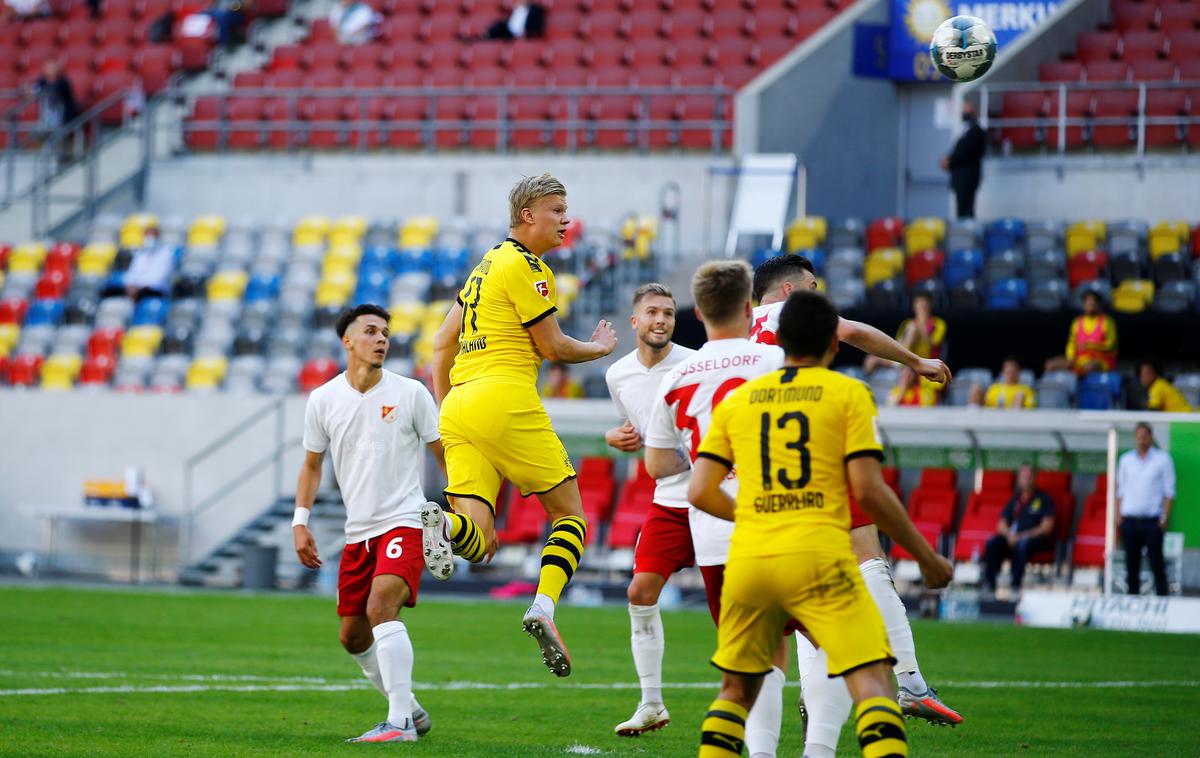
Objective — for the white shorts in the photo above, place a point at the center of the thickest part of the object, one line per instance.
(710, 537)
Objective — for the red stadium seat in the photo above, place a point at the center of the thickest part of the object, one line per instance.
(1097, 46)
(5, 370)
(1060, 71)
(365, 57)
(322, 55)
(245, 121)
(1133, 16)
(1153, 71)
(204, 109)
(321, 31)
(1185, 45)
(78, 32)
(979, 524)
(926, 264)
(250, 79)
(194, 53)
(524, 520)
(998, 480)
(932, 534)
(1079, 105)
(97, 369)
(1178, 16)
(286, 56)
(1087, 266)
(692, 52)
(934, 507)
(1120, 108)
(155, 65)
(39, 33)
(52, 285)
(25, 370)
(885, 232)
(111, 83)
(330, 113)
(1026, 106)
(13, 310)
(105, 342)
(1106, 71)
(317, 372)
(114, 57)
(1143, 45)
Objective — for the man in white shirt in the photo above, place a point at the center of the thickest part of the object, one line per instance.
(1145, 492)
(374, 423)
(680, 418)
(665, 543)
(826, 702)
(149, 273)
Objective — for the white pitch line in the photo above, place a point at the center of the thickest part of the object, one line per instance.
(174, 677)
(492, 686)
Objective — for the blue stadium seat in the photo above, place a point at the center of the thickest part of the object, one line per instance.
(377, 255)
(963, 265)
(1100, 391)
(150, 311)
(450, 264)
(262, 287)
(413, 260)
(817, 256)
(761, 256)
(44, 312)
(1007, 294)
(1004, 234)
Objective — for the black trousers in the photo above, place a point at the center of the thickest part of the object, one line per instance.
(1136, 534)
(998, 549)
(964, 200)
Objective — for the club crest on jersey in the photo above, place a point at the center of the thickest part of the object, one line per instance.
(388, 413)
(543, 287)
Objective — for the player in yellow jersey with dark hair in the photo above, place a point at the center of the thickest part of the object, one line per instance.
(802, 439)
(493, 425)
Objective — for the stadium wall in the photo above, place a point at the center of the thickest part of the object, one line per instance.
(602, 189)
(843, 128)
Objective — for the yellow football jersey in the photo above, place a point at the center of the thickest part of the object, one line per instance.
(790, 434)
(509, 291)
(1164, 397)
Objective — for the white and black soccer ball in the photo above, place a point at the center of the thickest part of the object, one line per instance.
(963, 48)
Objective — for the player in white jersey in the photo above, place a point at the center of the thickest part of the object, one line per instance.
(374, 423)
(665, 543)
(681, 416)
(826, 701)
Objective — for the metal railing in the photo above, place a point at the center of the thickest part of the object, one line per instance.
(1057, 120)
(363, 129)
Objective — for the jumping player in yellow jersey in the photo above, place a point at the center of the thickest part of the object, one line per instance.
(802, 438)
(493, 425)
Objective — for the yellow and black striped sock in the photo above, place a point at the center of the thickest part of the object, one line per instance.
(467, 538)
(723, 731)
(561, 554)
(880, 728)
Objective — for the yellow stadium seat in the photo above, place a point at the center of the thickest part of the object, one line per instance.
(406, 318)
(418, 233)
(882, 264)
(10, 335)
(1086, 235)
(568, 289)
(806, 233)
(347, 230)
(141, 341)
(1168, 237)
(435, 314)
(206, 231)
(133, 230)
(924, 234)
(23, 261)
(334, 290)
(1133, 296)
(333, 265)
(821, 284)
(206, 373)
(350, 252)
(1, 279)
(310, 231)
(34, 250)
(227, 285)
(60, 371)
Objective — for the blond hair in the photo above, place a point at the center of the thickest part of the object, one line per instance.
(651, 288)
(720, 289)
(528, 191)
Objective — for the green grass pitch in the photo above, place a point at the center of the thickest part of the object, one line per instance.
(206, 674)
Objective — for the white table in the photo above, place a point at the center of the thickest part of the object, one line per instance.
(135, 517)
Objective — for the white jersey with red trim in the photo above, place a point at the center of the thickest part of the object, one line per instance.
(764, 325)
(682, 413)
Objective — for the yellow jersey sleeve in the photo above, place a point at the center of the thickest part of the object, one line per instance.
(1070, 351)
(717, 445)
(530, 286)
(862, 423)
(992, 399)
(1030, 396)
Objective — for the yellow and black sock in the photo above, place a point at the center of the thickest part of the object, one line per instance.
(880, 728)
(561, 554)
(466, 538)
(724, 730)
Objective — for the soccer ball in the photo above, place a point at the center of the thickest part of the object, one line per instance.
(963, 48)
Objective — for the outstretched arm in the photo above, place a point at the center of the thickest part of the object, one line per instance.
(553, 345)
(445, 350)
(870, 340)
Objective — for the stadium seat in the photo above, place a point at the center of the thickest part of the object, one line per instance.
(1115, 118)
(1134, 16)
(884, 233)
(1026, 107)
(979, 522)
(924, 265)
(1085, 235)
(1133, 296)
(1100, 391)
(524, 520)
(806, 233)
(1097, 46)
(1068, 71)
(315, 373)
(1007, 294)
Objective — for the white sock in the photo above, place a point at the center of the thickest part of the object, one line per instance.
(369, 664)
(395, 653)
(805, 652)
(415, 705)
(544, 604)
(647, 641)
(766, 717)
(878, 578)
(828, 704)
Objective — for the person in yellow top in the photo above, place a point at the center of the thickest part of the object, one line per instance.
(1010, 392)
(559, 384)
(1161, 395)
(1091, 341)
(912, 391)
(923, 334)
(493, 425)
(802, 438)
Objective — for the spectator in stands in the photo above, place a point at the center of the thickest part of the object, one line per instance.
(559, 383)
(965, 163)
(354, 22)
(1025, 528)
(1009, 392)
(912, 391)
(924, 333)
(1091, 342)
(229, 16)
(56, 98)
(976, 397)
(1161, 395)
(24, 10)
(1145, 492)
(527, 21)
(149, 273)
